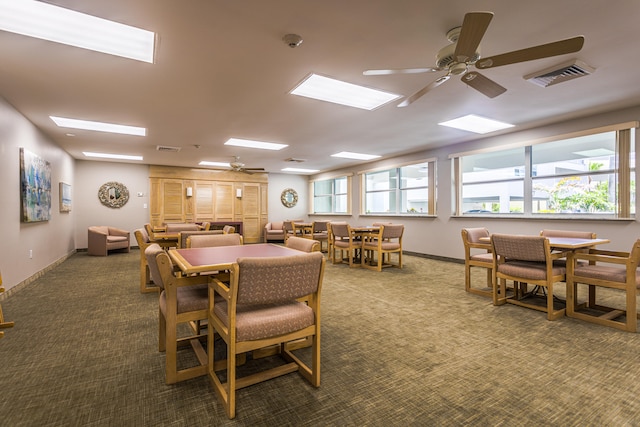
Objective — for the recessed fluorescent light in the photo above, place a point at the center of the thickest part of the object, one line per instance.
(98, 126)
(255, 144)
(356, 156)
(112, 156)
(220, 164)
(46, 21)
(477, 124)
(339, 92)
(300, 170)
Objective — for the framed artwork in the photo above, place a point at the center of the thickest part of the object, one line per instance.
(65, 197)
(35, 187)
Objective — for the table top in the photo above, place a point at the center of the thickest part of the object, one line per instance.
(566, 242)
(198, 260)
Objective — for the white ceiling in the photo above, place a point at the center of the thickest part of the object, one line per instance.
(222, 70)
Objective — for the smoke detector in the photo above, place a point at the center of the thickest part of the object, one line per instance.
(560, 73)
(292, 40)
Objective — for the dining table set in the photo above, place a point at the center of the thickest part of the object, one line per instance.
(523, 270)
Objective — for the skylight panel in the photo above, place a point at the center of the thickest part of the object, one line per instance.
(355, 156)
(99, 126)
(343, 93)
(476, 124)
(48, 22)
(247, 143)
(111, 156)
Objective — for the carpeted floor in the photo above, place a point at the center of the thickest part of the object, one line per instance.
(401, 347)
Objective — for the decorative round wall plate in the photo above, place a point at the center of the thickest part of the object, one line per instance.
(113, 195)
(289, 197)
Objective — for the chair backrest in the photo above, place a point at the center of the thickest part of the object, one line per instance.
(148, 229)
(228, 229)
(320, 226)
(184, 235)
(568, 233)
(279, 279)
(473, 235)
(392, 231)
(287, 226)
(302, 244)
(151, 253)
(177, 227)
(340, 230)
(210, 240)
(521, 248)
(142, 238)
(206, 226)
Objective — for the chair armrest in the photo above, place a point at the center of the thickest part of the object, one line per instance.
(611, 257)
(118, 232)
(220, 288)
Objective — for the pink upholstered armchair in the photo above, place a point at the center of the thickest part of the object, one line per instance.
(102, 239)
(274, 231)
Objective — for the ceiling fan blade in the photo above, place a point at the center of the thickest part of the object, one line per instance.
(421, 92)
(399, 71)
(483, 84)
(253, 169)
(560, 47)
(473, 28)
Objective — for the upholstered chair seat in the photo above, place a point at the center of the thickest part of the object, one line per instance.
(102, 239)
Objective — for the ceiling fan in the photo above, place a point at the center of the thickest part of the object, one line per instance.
(238, 166)
(463, 53)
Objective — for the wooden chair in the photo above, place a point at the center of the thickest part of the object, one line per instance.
(527, 260)
(344, 240)
(184, 235)
(259, 308)
(228, 229)
(3, 324)
(387, 241)
(320, 233)
(209, 240)
(303, 244)
(568, 234)
(146, 284)
(477, 254)
(604, 269)
(183, 299)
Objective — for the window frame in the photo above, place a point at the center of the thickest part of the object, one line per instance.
(333, 194)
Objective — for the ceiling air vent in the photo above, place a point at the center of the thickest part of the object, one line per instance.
(560, 73)
(168, 148)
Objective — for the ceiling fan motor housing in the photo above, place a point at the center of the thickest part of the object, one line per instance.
(445, 56)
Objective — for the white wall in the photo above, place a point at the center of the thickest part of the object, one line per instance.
(279, 182)
(90, 176)
(50, 240)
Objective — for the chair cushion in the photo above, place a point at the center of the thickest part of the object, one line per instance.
(190, 298)
(529, 269)
(277, 226)
(113, 239)
(482, 257)
(605, 272)
(254, 322)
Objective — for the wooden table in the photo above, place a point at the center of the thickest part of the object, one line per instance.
(568, 243)
(198, 260)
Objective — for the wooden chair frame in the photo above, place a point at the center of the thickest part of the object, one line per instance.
(477, 254)
(226, 392)
(375, 243)
(552, 274)
(352, 245)
(591, 310)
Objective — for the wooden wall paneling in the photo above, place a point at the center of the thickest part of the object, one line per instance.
(251, 212)
(173, 209)
(188, 202)
(264, 208)
(155, 206)
(224, 207)
(204, 201)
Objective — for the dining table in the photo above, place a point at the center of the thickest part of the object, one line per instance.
(219, 258)
(566, 243)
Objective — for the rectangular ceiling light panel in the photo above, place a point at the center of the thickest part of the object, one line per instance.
(355, 156)
(65, 26)
(476, 124)
(111, 156)
(300, 170)
(343, 93)
(218, 164)
(99, 126)
(247, 143)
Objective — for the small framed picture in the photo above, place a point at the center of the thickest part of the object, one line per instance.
(65, 197)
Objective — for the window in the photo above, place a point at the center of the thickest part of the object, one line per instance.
(400, 190)
(331, 195)
(591, 173)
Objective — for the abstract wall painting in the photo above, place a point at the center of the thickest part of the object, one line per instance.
(35, 184)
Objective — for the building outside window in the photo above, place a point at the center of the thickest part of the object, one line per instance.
(589, 174)
(399, 190)
(331, 195)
